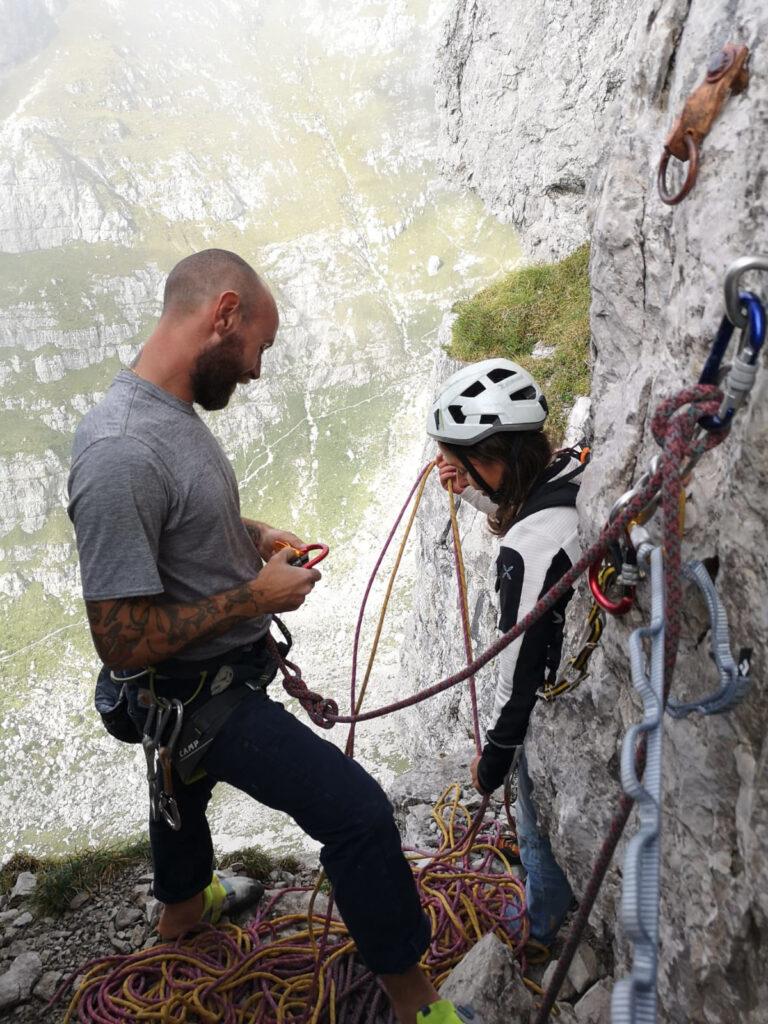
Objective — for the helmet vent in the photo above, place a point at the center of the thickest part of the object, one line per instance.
(458, 415)
(474, 390)
(437, 418)
(524, 394)
(488, 419)
(500, 374)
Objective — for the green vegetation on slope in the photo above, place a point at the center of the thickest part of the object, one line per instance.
(60, 879)
(545, 305)
(260, 864)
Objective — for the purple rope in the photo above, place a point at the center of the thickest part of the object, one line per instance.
(350, 746)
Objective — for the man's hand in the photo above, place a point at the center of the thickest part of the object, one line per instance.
(271, 536)
(265, 537)
(446, 472)
(281, 587)
(475, 779)
(139, 631)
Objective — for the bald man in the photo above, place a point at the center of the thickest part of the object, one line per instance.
(180, 591)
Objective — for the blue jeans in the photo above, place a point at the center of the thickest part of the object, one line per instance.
(268, 753)
(547, 891)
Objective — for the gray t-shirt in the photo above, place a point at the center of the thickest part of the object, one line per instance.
(156, 508)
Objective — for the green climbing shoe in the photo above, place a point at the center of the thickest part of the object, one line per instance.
(227, 895)
(445, 1012)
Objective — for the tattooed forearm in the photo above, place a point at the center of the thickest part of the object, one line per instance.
(134, 632)
(255, 532)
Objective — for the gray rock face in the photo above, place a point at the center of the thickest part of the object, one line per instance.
(595, 1006)
(17, 982)
(24, 886)
(657, 278)
(414, 794)
(488, 979)
(527, 95)
(46, 988)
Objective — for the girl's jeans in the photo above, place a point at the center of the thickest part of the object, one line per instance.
(546, 888)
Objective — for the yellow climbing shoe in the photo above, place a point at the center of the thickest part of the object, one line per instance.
(227, 895)
(446, 1012)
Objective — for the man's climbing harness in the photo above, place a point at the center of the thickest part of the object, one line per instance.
(727, 74)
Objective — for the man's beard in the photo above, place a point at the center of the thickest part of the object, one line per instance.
(217, 372)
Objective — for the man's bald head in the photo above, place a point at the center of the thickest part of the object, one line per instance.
(205, 275)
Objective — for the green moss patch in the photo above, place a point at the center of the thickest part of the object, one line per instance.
(546, 305)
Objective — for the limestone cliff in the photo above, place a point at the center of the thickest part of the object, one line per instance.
(529, 96)
(656, 277)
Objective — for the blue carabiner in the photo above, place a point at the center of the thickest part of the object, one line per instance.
(754, 337)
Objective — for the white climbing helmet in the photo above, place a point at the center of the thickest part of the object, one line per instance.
(486, 398)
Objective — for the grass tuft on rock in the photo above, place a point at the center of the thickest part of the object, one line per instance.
(60, 879)
(543, 308)
(258, 863)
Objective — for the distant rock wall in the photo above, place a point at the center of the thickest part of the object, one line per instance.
(527, 95)
(25, 27)
(656, 277)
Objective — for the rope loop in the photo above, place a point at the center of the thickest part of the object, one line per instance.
(321, 710)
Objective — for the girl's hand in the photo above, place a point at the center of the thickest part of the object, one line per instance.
(475, 777)
(447, 472)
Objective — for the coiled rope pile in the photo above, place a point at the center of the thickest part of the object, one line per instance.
(278, 969)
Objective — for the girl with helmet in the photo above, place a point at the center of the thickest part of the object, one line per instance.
(488, 420)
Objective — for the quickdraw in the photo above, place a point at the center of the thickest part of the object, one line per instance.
(741, 376)
(634, 998)
(158, 755)
(734, 677)
(576, 671)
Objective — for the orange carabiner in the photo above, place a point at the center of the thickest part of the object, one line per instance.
(301, 555)
(322, 548)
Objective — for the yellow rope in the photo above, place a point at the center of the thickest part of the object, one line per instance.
(238, 967)
(390, 584)
(457, 542)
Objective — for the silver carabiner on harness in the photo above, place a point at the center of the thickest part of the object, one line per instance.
(162, 803)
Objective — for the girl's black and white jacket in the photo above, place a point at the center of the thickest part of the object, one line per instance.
(539, 547)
